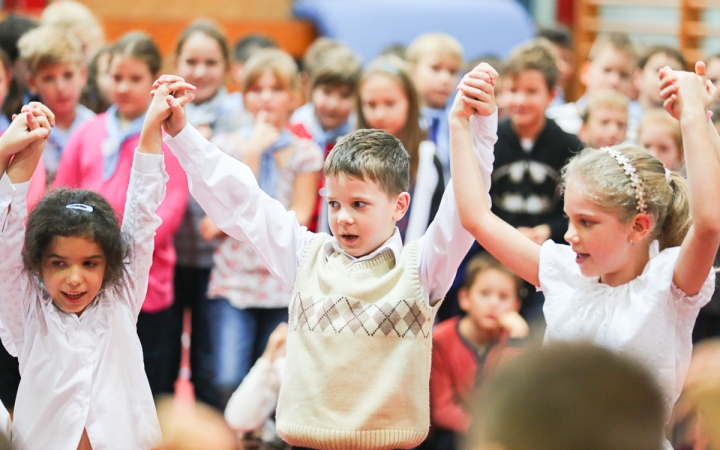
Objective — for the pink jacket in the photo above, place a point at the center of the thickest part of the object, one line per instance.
(81, 167)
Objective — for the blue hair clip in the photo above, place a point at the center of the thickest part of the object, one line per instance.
(80, 206)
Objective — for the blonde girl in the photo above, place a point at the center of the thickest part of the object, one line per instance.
(637, 270)
(388, 100)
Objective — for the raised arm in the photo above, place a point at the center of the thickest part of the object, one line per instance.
(228, 193)
(503, 241)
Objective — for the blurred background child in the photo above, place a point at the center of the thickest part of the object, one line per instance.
(56, 74)
(647, 80)
(467, 350)
(202, 58)
(435, 61)
(389, 101)
(560, 40)
(329, 114)
(76, 18)
(98, 157)
(661, 136)
(243, 50)
(246, 301)
(605, 119)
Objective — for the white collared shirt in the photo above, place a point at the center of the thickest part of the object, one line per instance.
(228, 192)
(82, 372)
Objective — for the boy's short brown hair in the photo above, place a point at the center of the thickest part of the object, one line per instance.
(339, 67)
(618, 41)
(672, 52)
(485, 261)
(47, 45)
(604, 98)
(282, 66)
(374, 154)
(533, 56)
(434, 44)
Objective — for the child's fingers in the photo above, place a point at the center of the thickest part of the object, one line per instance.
(180, 85)
(166, 79)
(38, 110)
(32, 122)
(185, 99)
(483, 93)
(700, 68)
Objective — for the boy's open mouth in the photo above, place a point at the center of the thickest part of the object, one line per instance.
(73, 296)
(581, 257)
(349, 238)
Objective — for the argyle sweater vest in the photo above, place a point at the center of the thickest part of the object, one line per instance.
(358, 353)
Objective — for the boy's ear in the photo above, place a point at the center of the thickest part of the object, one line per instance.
(402, 204)
(464, 299)
(582, 134)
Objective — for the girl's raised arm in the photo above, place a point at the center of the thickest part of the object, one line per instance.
(507, 244)
(698, 250)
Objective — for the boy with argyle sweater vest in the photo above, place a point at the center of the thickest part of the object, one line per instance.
(362, 307)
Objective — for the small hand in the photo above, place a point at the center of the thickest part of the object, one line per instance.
(515, 324)
(275, 347)
(26, 131)
(208, 229)
(170, 95)
(263, 135)
(478, 89)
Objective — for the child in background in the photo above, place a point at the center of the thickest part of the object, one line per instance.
(380, 297)
(388, 101)
(314, 56)
(661, 136)
(435, 60)
(560, 41)
(202, 58)
(57, 74)
(467, 350)
(96, 95)
(637, 269)
(98, 157)
(246, 302)
(648, 80)
(611, 65)
(529, 153)
(243, 50)
(78, 281)
(76, 18)
(568, 396)
(328, 115)
(605, 119)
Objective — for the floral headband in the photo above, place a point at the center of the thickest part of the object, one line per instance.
(631, 173)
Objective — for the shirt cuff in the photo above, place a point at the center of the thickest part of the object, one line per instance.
(189, 136)
(148, 163)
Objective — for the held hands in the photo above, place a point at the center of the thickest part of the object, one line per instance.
(683, 91)
(28, 131)
(477, 93)
(170, 95)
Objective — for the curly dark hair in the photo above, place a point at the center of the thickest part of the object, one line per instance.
(51, 218)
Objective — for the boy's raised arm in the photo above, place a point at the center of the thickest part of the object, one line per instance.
(229, 193)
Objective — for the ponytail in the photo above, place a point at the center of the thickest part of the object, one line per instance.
(677, 220)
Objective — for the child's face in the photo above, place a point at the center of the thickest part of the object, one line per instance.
(598, 237)
(131, 85)
(360, 214)
(659, 142)
(268, 94)
(492, 295)
(605, 127)
(333, 104)
(527, 97)
(384, 104)
(649, 81)
(59, 86)
(72, 271)
(435, 77)
(612, 69)
(201, 63)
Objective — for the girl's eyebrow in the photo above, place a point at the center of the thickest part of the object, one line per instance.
(54, 255)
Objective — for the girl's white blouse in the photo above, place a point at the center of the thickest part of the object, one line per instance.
(81, 372)
(649, 318)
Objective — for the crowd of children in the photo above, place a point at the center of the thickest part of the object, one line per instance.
(313, 244)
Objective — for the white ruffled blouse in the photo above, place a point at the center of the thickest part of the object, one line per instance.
(649, 318)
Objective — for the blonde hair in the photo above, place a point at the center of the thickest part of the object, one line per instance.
(608, 186)
(47, 45)
(411, 134)
(659, 116)
(617, 41)
(434, 44)
(78, 19)
(279, 63)
(604, 98)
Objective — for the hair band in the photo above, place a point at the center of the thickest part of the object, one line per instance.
(668, 176)
(631, 173)
(80, 206)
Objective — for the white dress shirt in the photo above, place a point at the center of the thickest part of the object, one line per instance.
(228, 192)
(81, 372)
